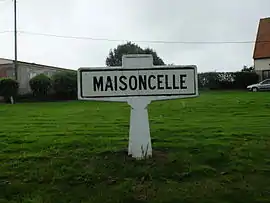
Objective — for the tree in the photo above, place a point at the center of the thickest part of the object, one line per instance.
(115, 55)
(246, 69)
(40, 85)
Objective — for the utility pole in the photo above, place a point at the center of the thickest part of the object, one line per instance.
(15, 41)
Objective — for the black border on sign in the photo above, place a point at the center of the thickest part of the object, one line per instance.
(135, 69)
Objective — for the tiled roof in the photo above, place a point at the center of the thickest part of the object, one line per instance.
(262, 46)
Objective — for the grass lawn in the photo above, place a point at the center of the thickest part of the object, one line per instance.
(215, 148)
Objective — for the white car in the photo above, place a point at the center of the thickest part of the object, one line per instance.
(262, 86)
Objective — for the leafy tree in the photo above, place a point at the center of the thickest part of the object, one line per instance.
(40, 85)
(115, 55)
(156, 59)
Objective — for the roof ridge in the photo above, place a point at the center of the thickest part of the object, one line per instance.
(37, 64)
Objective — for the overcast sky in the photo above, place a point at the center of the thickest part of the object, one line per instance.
(170, 20)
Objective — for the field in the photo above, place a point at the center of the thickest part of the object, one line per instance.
(215, 148)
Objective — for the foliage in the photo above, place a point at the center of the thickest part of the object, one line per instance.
(246, 69)
(208, 80)
(8, 87)
(156, 59)
(73, 152)
(243, 79)
(40, 85)
(115, 55)
(65, 84)
(227, 80)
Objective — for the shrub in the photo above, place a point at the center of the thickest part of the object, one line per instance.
(8, 88)
(65, 84)
(227, 80)
(40, 85)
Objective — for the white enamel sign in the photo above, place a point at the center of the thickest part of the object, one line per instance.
(161, 81)
(138, 83)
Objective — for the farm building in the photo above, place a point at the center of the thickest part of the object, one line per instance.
(26, 71)
(261, 54)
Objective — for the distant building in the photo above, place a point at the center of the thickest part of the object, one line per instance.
(261, 54)
(26, 71)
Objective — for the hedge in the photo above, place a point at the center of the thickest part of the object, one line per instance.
(227, 80)
(65, 84)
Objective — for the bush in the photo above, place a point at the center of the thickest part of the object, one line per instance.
(65, 84)
(40, 85)
(8, 88)
(243, 79)
(227, 80)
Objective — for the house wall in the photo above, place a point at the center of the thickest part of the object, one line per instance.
(27, 71)
(6, 70)
(261, 65)
(3, 72)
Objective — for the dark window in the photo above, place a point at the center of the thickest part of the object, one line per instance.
(266, 82)
(266, 74)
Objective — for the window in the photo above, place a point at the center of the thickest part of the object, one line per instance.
(32, 74)
(266, 74)
(266, 82)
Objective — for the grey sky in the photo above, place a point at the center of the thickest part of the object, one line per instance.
(170, 20)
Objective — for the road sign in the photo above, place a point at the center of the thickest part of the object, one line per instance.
(138, 82)
(144, 82)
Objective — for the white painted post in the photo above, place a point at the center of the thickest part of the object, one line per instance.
(139, 146)
(11, 100)
(139, 131)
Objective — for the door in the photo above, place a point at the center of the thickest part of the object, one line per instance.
(265, 85)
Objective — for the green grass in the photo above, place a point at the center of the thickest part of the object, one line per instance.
(215, 148)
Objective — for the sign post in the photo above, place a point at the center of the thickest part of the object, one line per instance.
(138, 83)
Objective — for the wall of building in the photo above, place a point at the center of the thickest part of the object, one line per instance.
(27, 71)
(3, 72)
(6, 70)
(260, 66)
